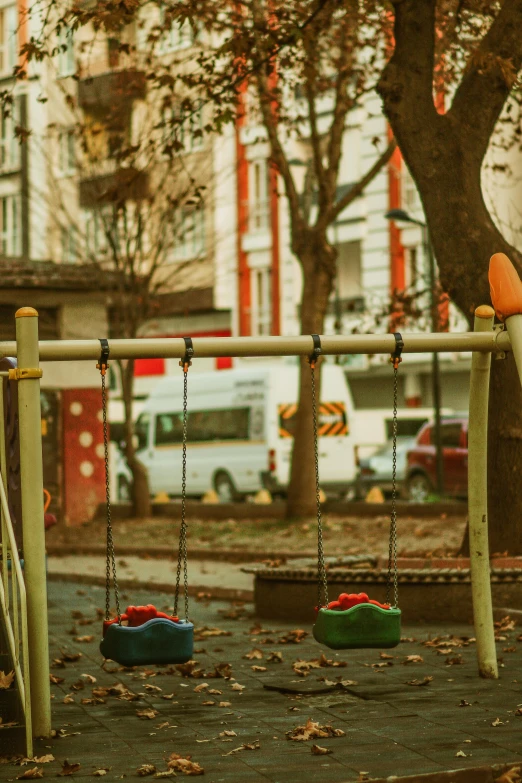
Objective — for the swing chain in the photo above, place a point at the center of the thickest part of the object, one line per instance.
(392, 552)
(185, 363)
(321, 567)
(102, 366)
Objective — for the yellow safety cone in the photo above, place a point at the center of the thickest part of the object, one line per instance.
(263, 497)
(374, 496)
(210, 496)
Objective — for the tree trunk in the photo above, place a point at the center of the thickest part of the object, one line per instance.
(317, 287)
(140, 480)
(447, 171)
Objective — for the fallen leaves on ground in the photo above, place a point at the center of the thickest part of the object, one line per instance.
(425, 681)
(184, 764)
(200, 634)
(275, 657)
(68, 699)
(70, 657)
(237, 687)
(497, 722)
(302, 668)
(293, 637)
(56, 680)
(254, 655)
(68, 769)
(510, 776)
(385, 656)
(464, 703)
(456, 660)
(317, 750)
(99, 773)
(38, 760)
(461, 754)
(89, 638)
(413, 659)
(246, 746)
(145, 770)
(505, 624)
(227, 733)
(89, 678)
(6, 680)
(31, 774)
(258, 668)
(202, 687)
(147, 714)
(445, 642)
(312, 730)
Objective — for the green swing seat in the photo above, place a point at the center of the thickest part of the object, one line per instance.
(158, 641)
(361, 626)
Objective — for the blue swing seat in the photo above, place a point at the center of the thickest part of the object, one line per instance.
(362, 626)
(158, 641)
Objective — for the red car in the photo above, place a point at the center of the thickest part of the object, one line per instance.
(421, 473)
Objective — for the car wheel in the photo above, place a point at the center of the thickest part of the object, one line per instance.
(224, 487)
(419, 488)
(124, 490)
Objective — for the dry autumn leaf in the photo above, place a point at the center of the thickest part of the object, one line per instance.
(461, 754)
(99, 773)
(317, 750)
(275, 657)
(84, 638)
(258, 668)
(227, 733)
(237, 687)
(68, 699)
(6, 680)
(145, 770)
(425, 681)
(510, 776)
(225, 704)
(31, 774)
(68, 769)
(254, 654)
(56, 680)
(312, 730)
(147, 714)
(43, 759)
(246, 746)
(385, 656)
(89, 678)
(184, 764)
(413, 659)
(202, 687)
(497, 722)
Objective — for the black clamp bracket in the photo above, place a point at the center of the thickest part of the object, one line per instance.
(395, 358)
(189, 353)
(103, 361)
(314, 356)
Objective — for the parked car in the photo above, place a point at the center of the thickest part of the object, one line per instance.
(377, 470)
(421, 474)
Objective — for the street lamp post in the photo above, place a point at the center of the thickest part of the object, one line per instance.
(402, 216)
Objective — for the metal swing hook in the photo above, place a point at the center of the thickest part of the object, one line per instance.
(189, 353)
(395, 358)
(103, 361)
(314, 356)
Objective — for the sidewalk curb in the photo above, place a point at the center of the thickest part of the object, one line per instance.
(210, 593)
(170, 553)
(469, 775)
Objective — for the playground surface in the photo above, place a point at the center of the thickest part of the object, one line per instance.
(260, 699)
(440, 535)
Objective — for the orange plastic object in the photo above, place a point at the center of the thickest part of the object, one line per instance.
(505, 287)
(47, 503)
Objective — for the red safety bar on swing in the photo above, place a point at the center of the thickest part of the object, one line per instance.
(135, 616)
(347, 600)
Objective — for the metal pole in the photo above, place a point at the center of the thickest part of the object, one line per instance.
(478, 501)
(514, 328)
(208, 347)
(31, 476)
(435, 368)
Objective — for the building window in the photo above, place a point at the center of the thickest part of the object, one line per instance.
(189, 234)
(96, 227)
(66, 60)
(9, 144)
(186, 131)
(177, 36)
(66, 152)
(348, 283)
(258, 201)
(409, 197)
(69, 245)
(10, 237)
(261, 313)
(8, 38)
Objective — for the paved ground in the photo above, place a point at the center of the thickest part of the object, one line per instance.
(390, 727)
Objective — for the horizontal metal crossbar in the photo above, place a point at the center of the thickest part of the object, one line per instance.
(210, 347)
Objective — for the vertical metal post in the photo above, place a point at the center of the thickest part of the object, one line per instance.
(514, 328)
(435, 368)
(31, 475)
(3, 471)
(478, 501)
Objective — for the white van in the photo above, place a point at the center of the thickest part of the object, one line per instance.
(240, 433)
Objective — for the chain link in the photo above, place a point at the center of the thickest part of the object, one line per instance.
(392, 551)
(321, 567)
(182, 549)
(111, 561)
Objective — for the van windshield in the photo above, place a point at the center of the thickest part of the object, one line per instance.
(226, 424)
